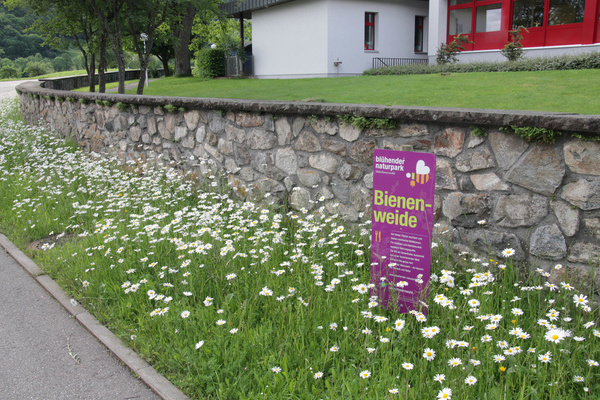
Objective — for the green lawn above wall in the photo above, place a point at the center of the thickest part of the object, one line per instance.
(573, 91)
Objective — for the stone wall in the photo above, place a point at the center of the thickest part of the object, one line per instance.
(492, 192)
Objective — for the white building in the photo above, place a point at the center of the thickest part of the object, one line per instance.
(326, 38)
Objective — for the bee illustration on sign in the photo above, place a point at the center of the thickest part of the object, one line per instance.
(421, 174)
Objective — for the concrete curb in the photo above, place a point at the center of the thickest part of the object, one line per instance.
(158, 383)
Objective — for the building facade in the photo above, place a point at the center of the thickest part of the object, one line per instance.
(325, 38)
(553, 27)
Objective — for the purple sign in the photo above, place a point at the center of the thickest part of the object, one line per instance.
(403, 196)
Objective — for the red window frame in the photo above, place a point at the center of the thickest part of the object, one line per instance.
(370, 30)
(585, 32)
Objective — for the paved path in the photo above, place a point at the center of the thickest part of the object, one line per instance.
(7, 89)
(51, 349)
(47, 354)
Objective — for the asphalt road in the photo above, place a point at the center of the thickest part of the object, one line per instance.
(7, 89)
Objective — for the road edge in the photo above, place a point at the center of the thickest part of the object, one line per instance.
(146, 373)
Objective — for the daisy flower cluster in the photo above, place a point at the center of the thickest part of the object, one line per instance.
(281, 303)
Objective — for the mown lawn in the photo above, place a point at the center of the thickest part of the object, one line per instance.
(572, 91)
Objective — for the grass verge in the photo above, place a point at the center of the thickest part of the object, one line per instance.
(232, 301)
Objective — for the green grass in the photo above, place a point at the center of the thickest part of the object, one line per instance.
(232, 301)
(53, 75)
(111, 85)
(561, 91)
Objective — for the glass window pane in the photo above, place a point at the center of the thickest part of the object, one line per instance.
(455, 2)
(370, 31)
(566, 12)
(528, 13)
(488, 18)
(419, 34)
(459, 21)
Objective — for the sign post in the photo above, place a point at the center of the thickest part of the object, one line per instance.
(402, 228)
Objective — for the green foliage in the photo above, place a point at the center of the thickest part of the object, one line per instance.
(447, 53)
(17, 40)
(83, 101)
(171, 108)
(478, 131)
(210, 63)
(534, 134)
(513, 50)
(587, 137)
(367, 122)
(122, 106)
(35, 68)
(581, 61)
(70, 100)
(8, 72)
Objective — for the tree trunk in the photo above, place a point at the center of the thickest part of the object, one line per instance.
(119, 55)
(165, 63)
(92, 73)
(183, 34)
(116, 41)
(102, 65)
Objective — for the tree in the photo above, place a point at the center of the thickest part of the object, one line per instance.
(108, 14)
(164, 46)
(66, 22)
(181, 21)
(143, 20)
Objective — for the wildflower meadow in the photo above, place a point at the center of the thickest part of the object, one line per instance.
(230, 300)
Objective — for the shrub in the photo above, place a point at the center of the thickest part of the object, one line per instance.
(447, 52)
(513, 50)
(35, 68)
(8, 72)
(581, 61)
(210, 63)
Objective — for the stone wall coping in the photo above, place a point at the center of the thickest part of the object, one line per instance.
(465, 116)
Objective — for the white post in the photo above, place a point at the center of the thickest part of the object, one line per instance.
(144, 38)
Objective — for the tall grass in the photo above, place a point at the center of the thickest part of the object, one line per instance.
(232, 301)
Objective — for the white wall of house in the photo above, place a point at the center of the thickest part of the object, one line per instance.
(307, 38)
(394, 32)
(290, 40)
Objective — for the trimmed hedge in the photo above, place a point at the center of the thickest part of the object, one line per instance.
(210, 63)
(583, 61)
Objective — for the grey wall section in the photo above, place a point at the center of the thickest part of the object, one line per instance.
(492, 192)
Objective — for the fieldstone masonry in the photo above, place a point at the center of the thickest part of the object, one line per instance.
(493, 191)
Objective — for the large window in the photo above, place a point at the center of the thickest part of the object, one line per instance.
(370, 30)
(528, 13)
(487, 23)
(488, 18)
(459, 21)
(566, 12)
